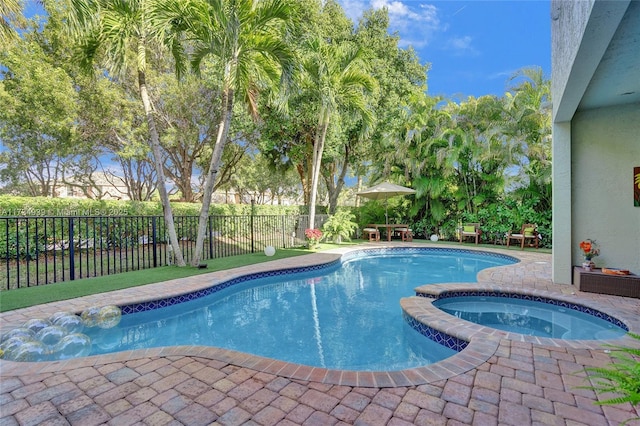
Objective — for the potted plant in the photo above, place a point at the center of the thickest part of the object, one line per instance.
(313, 237)
(589, 251)
(340, 226)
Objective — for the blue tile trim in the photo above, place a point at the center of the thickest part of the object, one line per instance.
(170, 301)
(555, 302)
(437, 336)
(422, 250)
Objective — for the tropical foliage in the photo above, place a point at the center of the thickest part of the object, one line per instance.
(245, 39)
(10, 12)
(114, 32)
(619, 381)
(340, 226)
(268, 100)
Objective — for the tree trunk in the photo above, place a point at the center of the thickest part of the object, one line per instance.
(318, 148)
(358, 189)
(335, 189)
(157, 162)
(216, 157)
(305, 184)
(183, 165)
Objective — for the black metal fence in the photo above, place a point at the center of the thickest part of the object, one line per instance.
(51, 249)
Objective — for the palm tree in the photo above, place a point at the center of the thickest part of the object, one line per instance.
(529, 125)
(415, 148)
(9, 10)
(336, 73)
(246, 38)
(116, 29)
(476, 151)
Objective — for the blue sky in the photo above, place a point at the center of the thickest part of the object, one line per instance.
(473, 46)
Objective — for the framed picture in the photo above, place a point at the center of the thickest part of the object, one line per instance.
(636, 186)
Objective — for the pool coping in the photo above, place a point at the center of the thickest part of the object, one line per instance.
(422, 309)
(483, 344)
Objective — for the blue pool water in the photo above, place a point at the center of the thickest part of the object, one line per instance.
(344, 317)
(529, 317)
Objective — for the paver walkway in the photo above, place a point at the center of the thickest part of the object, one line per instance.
(521, 383)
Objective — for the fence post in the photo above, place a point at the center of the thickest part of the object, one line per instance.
(253, 203)
(211, 256)
(284, 235)
(6, 248)
(154, 243)
(72, 251)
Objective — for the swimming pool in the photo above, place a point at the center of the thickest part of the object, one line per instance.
(542, 317)
(342, 316)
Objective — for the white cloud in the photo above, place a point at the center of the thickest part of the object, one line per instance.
(461, 43)
(461, 46)
(397, 9)
(501, 75)
(416, 23)
(354, 8)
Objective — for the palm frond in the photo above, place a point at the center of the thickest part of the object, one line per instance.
(620, 378)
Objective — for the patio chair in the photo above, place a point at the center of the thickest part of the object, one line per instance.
(372, 233)
(527, 232)
(405, 233)
(471, 230)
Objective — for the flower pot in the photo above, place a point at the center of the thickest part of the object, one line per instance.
(588, 265)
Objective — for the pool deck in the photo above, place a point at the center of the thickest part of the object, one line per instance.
(499, 379)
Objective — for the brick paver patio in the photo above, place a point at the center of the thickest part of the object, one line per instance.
(519, 382)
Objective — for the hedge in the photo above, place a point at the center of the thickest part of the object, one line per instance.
(44, 206)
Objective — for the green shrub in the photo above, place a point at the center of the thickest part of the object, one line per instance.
(422, 228)
(17, 243)
(340, 226)
(499, 218)
(32, 225)
(44, 206)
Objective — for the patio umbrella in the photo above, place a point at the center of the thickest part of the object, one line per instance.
(384, 191)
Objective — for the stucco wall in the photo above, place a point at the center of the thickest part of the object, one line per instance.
(605, 148)
(561, 214)
(568, 22)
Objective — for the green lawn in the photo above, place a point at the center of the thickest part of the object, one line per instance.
(30, 296)
(25, 297)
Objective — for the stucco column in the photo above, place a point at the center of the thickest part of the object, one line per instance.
(561, 216)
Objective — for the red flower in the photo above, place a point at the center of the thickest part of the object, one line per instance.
(589, 249)
(313, 234)
(313, 237)
(585, 246)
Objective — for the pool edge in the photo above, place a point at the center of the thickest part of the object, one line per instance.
(421, 308)
(457, 364)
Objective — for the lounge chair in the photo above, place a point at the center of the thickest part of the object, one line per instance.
(527, 232)
(470, 230)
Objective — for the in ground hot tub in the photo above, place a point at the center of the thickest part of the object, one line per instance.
(540, 317)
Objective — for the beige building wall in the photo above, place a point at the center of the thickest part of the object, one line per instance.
(596, 132)
(605, 149)
(562, 205)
